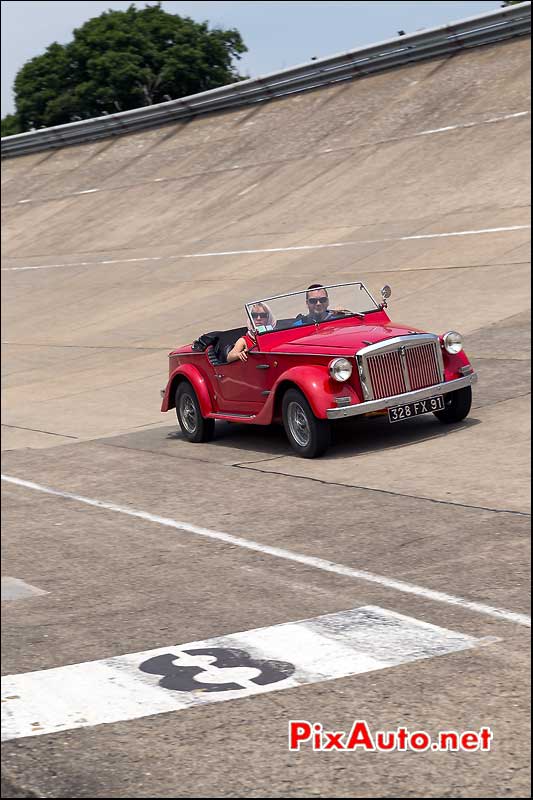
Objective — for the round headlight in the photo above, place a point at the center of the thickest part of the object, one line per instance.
(453, 342)
(340, 369)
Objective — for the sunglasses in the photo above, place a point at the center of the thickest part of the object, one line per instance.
(259, 315)
(314, 300)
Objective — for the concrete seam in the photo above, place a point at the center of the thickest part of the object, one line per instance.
(38, 430)
(383, 491)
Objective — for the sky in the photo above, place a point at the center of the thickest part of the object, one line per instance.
(278, 33)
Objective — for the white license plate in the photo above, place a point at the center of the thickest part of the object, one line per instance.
(408, 410)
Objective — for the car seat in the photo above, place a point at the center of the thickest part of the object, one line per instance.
(217, 352)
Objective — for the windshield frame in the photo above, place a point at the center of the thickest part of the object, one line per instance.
(248, 306)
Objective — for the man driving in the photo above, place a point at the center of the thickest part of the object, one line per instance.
(317, 301)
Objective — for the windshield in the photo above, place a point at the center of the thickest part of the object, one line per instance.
(311, 306)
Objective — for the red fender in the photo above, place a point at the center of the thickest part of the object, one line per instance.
(453, 362)
(199, 384)
(317, 386)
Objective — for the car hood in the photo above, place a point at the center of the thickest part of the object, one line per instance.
(345, 338)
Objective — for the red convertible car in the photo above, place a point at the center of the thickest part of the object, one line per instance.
(308, 358)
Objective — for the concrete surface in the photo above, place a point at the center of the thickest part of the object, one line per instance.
(84, 346)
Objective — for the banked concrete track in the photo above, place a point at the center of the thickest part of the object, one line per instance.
(113, 253)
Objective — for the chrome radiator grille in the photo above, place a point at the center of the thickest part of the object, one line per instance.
(422, 366)
(386, 374)
(405, 366)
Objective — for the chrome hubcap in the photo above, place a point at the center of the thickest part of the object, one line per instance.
(188, 416)
(298, 424)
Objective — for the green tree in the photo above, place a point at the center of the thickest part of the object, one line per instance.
(122, 60)
(10, 125)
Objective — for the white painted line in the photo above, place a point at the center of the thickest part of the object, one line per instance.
(473, 124)
(53, 266)
(248, 189)
(362, 241)
(88, 263)
(279, 249)
(15, 589)
(289, 555)
(229, 667)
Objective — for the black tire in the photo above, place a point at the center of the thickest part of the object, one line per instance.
(456, 406)
(194, 427)
(309, 437)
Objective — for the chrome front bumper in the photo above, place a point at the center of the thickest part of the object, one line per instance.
(400, 399)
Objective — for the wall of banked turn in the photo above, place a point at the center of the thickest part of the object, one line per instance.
(417, 176)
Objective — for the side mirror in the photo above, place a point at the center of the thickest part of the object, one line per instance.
(386, 292)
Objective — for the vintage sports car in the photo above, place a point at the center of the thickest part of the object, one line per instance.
(312, 357)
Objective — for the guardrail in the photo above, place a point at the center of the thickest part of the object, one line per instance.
(488, 28)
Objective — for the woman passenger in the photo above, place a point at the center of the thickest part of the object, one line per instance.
(261, 315)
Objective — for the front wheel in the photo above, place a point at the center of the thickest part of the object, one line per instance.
(308, 435)
(194, 427)
(456, 406)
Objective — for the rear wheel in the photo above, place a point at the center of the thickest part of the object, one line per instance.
(456, 406)
(194, 427)
(308, 435)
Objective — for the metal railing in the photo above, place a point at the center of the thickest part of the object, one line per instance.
(446, 40)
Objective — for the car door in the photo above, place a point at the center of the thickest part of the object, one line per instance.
(243, 386)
